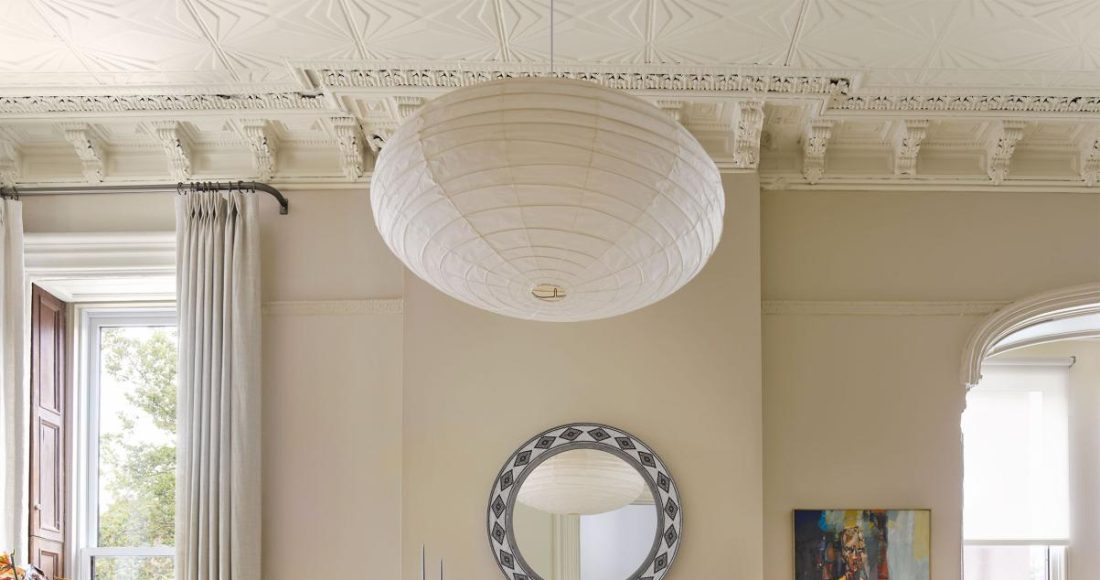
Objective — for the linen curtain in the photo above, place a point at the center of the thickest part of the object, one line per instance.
(218, 473)
(14, 389)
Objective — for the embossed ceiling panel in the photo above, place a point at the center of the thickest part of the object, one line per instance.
(889, 34)
(1037, 44)
(27, 43)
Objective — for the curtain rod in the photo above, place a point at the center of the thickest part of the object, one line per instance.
(179, 188)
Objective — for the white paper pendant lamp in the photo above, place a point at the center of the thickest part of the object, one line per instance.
(548, 199)
(583, 482)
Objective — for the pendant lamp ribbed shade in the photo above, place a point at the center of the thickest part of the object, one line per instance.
(583, 482)
(548, 199)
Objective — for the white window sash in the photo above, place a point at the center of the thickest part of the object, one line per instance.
(92, 319)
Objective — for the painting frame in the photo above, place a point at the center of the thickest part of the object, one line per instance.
(874, 526)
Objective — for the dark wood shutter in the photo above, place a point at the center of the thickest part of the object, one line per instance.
(49, 444)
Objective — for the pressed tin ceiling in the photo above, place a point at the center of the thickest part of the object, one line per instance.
(1038, 44)
(810, 92)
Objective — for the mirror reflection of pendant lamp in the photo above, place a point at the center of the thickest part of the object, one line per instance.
(583, 482)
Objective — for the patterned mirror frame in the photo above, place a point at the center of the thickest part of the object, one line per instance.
(502, 498)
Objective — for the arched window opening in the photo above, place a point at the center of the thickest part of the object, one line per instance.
(1031, 440)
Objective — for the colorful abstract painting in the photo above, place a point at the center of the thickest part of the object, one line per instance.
(862, 544)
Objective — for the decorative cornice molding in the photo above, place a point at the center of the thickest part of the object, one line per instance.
(836, 88)
(747, 133)
(88, 148)
(280, 101)
(263, 142)
(176, 146)
(780, 181)
(1089, 160)
(351, 143)
(672, 107)
(335, 307)
(814, 144)
(405, 106)
(652, 77)
(1001, 147)
(880, 308)
(10, 162)
(911, 133)
(967, 103)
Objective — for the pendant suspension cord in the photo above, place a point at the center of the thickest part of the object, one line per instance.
(551, 37)
(180, 188)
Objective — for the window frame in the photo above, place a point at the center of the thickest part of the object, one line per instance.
(90, 319)
(1056, 548)
(1057, 565)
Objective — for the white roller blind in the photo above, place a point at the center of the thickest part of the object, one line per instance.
(1016, 484)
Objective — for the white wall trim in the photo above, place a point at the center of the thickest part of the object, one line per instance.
(103, 267)
(879, 308)
(1053, 305)
(785, 181)
(100, 254)
(335, 307)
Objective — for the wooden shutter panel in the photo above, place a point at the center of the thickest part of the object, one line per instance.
(49, 443)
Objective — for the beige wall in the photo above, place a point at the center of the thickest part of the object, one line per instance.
(857, 410)
(864, 411)
(332, 381)
(683, 375)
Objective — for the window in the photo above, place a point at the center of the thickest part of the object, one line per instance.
(1016, 484)
(127, 467)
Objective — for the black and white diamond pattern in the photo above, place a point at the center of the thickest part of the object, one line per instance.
(571, 434)
(625, 443)
(598, 434)
(661, 563)
(671, 536)
(574, 436)
(671, 508)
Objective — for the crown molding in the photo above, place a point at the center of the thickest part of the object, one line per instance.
(839, 91)
(786, 181)
(130, 103)
(775, 121)
(694, 79)
(962, 102)
(879, 308)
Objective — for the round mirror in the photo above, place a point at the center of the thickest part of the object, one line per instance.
(584, 502)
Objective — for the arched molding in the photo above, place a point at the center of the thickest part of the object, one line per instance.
(1044, 307)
